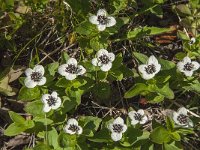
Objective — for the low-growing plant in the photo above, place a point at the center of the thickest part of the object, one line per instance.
(54, 91)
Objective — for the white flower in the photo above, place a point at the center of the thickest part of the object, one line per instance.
(71, 69)
(192, 41)
(150, 69)
(117, 128)
(181, 118)
(137, 117)
(187, 66)
(102, 20)
(35, 76)
(104, 60)
(72, 127)
(51, 101)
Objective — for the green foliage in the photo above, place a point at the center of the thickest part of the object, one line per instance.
(19, 125)
(135, 90)
(70, 23)
(160, 135)
(27, 94)
(146, 31)
(66, 140)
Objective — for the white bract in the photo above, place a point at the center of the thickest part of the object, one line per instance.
(137, 117)
(104, 60)
(192, 41)
(51, 101)
(34, 76)
(102, 20)
(72, 127)
(150, 69)
(117, 128)
(181, 118)
(187, 66)
(71, 69)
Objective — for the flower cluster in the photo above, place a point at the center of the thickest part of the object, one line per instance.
(104, 60)
(51, 101)
(72, 127)
(187, 66)
(181, 118)
(117, 127)
(71, 69)
(35, 76)
(102, 20)
(150, 69)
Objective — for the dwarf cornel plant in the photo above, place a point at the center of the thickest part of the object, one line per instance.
(93, 68)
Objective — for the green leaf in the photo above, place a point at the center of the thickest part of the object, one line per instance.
(160, 135)
(97, 43)
(169, 123)
(193, 87)
(75, 95)
(171, 146)
(146, 31)
(183, 9)
(182, 35)
(42, 146)
(43, 120)
(66, 140)
(80, 7)
(180, 55)
(137, 89)
(131, 138)
(119, 4)
(16, 118)
(68, 104)
(86, 28)
(35, 108)
(89, 123)
(102, 90)
(185, 131)
(116, 74)
(141, 57)
(63, 82)
(16, 128)
(27, 94)
(64, 57)
(52, 68)
(175, 136)
(126, 71)
(102, 136)
(117, 62)
(165, 64)
(52, 138)
(154, 98)
(166, 91)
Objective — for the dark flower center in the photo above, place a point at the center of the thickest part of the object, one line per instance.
(102, 20)
(150, 69)
(73, 128)
(117, 128)
(183, 119)
(188, 67)
(104, 59)
(138, 116)
(36, 76)
(71, 68)
(51, 101)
